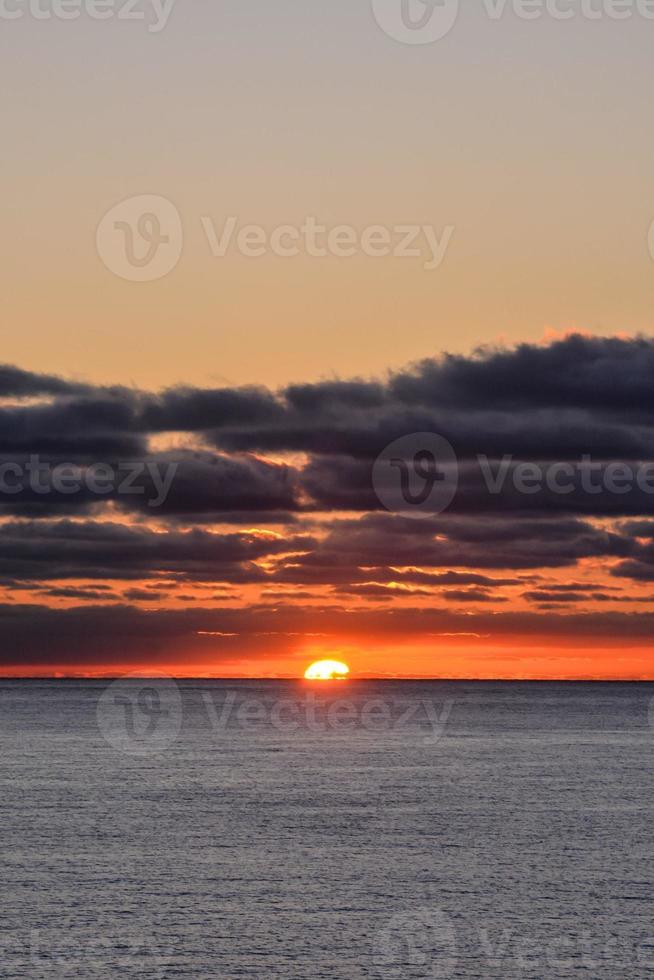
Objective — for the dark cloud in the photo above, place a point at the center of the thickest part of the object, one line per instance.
(299, 461)
(495, 485)
(472, 595)
(639, 571)
(119, 635)
(16, 383)
(198, 410)
(99, 592)
(93, 427)
(603, 375)
(556, 596)
(212, 486)
(536, 401)
(475, 543)
(108, 550)
(578, 396)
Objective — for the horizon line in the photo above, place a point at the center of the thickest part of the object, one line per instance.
(161, 675)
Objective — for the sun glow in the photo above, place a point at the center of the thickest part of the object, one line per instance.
(327, 670)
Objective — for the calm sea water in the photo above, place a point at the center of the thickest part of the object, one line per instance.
(228, 830)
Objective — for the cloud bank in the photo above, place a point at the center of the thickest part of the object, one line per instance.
(272, 531)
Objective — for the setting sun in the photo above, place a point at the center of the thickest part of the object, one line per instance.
(327, 670)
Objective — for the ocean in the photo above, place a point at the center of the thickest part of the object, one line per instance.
(273, 829)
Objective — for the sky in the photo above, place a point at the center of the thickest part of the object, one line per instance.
(165, 304)
(530, 138)
(249, 532)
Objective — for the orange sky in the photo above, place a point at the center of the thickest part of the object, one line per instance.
(277, 379)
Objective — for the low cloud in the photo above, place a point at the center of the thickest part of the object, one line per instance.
(273, 493)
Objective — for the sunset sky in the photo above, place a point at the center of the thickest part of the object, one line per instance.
(275, 544)
(274, 383)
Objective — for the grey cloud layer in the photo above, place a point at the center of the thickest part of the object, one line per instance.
(577, 395)
(299, 461)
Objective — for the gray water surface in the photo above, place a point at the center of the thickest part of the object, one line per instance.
(218, 829)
